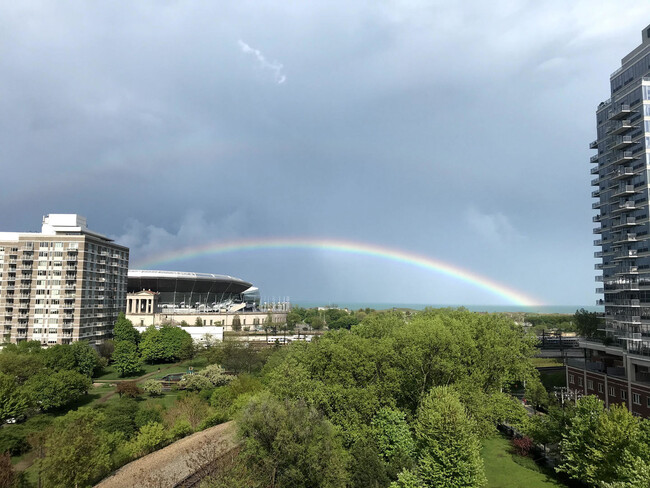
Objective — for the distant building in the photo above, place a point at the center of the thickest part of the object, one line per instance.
(618, 369)
(158, 297)
(64, 284)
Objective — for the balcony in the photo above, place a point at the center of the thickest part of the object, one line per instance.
(594, 158)
(598, 278)
(626, 237)
(622, 142)
(600, 290)
(623, 190)
(620, 127)
(621, 173)
(595, 182)
(598, 254)
(595, 193)
(620, 112)
(593, 145)
(596, 205)
(599, 266)
(629, 221)
(625, 157)
(629, 270)
(626, 206)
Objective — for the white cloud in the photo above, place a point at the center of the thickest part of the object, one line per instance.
(492, 227)
(273, 66)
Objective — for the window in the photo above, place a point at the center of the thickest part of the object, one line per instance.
(623, 395)
(636, 398)
(579, 380)
(571, 377)
(612, 392)
(590, 384)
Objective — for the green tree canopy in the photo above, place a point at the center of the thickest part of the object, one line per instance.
(291, 444)
(124, 330)
(449, 449)
(126, 359)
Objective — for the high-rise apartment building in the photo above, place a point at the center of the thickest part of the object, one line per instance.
(617, 369)
(64, 284)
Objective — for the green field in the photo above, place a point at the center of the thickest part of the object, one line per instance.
(503, 472)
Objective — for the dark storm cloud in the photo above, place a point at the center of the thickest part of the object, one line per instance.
(453, 130)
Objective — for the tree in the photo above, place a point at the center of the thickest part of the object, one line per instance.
(198, 322)
(13, 399)
(602, 447)
(293, 318)
(536, 393)
(166, 344)
(291, 444)
(7, 474)
(153, 387)
(215, 374)
(194, 382)
(86, 359)
(393, 437)
(449, 448)
(53, 390)
(407, 479)
(587, 323)
(124, 330)
(236, 323)
(78, 451)
(129, 389)
(126, 359)
(150, 438)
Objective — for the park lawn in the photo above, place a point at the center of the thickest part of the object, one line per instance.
(110, 374)
(545, 362)
(503, 472)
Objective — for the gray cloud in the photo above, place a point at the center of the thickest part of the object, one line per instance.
(450, 129)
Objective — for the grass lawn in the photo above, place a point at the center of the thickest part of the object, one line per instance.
(110, 374)
(545, 362)
(503, 472)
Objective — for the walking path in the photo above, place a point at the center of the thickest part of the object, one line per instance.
(177, 462)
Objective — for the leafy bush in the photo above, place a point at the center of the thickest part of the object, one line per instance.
(181, 429)
(215, 374)
(150, 438)
(523, 445)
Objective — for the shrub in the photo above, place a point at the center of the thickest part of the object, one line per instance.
(181, 429)
(151, 437)
(522, 445)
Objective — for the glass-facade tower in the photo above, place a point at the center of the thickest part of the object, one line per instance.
(621, 188)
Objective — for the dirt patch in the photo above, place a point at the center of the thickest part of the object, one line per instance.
(174, 464)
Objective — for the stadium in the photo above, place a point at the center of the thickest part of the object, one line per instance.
(156, 297)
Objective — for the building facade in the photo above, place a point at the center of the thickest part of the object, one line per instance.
(617, 369)
(156, 297)
(64, 284)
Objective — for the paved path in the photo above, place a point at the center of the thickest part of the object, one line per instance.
(173, 464)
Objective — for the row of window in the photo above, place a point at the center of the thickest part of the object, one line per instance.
(611, 391)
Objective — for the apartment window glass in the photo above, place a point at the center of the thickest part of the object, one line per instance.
(590, 384)
(612, 392)
(636, 398)
(579, 380)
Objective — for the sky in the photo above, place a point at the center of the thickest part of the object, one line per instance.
(454, 130)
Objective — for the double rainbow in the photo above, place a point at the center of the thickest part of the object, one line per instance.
(347, 247)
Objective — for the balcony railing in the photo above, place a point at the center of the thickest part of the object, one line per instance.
(593, 145)
(620, 111)
(621, 142)
(620, 127)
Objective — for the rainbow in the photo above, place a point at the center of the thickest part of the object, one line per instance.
(348, 247)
